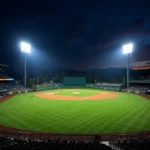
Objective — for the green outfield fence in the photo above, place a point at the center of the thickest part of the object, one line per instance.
(74, 81)
(68, 82)
(44, 87)
(50, 87)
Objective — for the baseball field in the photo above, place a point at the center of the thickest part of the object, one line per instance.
(76, 111)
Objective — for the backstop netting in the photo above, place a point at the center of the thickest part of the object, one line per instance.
(74, 81)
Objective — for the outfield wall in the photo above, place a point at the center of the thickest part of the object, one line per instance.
(69, 82)
(77, 82)
(47, 87)
(94, 86)
(102, 87)
(59, 86)
(74, 81)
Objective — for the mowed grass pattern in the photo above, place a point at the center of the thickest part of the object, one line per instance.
(127, 113)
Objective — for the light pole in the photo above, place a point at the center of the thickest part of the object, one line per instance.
(26, 49)
(127, 49)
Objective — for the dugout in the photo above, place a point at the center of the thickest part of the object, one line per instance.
(76, 82)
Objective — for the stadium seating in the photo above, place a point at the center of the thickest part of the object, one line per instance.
(11, 86)
(3, 76)
(110, 84)
(7, 143)
(106, 86)
(1, 88)
(43, 87)
(138, 144)
(137, 89)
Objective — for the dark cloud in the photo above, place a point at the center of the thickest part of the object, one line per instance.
(147, 63)
(147, 32)
(126, 31)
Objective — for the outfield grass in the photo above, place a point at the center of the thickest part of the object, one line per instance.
(127, 113)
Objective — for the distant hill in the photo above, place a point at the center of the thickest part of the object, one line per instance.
(106, 75)
(92, 75)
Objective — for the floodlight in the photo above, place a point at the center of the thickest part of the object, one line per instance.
(128, 48)
(25, 47)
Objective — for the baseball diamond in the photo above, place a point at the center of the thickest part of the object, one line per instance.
(75, 75)
(66, 112)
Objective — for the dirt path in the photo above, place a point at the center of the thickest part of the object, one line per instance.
(145, 96)
(6, 98)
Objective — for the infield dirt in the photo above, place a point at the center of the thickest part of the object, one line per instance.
(101, 96)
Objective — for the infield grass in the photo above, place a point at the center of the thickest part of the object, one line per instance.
(127, 113)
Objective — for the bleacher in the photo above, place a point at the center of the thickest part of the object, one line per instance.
(137, 89)
(1, 88)
(11, 86)
(4, 82)
(49, 86)
(110, 84)
(7, 143)
(106, 86)
(132, 144)
(141, 81)
(3, 76)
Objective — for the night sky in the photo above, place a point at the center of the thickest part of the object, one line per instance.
(77, 34)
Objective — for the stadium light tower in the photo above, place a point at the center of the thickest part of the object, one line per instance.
(26, 49)
(127, 49)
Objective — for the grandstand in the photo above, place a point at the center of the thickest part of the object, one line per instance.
(11, 85)
(78, 82)
(7, 84)
(3, 76)
(132, 144)
(27, 140)
(139, 87)
(106, 86)
(38, 144)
